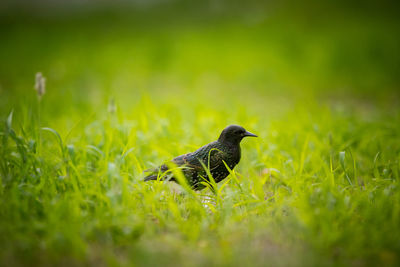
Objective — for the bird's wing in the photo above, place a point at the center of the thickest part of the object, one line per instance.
(210, 155)
(187, 160)
(215, 158)
(180, 161)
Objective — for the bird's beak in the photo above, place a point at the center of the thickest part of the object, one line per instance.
(247, 133)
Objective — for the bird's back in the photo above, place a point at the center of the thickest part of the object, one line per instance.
(211, 156)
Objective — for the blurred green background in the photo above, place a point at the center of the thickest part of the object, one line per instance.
(200, 51)
(318, 81)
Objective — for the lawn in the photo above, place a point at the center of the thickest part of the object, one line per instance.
(129, 87)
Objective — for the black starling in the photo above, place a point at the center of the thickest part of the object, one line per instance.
(225, 149)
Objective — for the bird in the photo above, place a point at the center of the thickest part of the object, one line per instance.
(214, 156)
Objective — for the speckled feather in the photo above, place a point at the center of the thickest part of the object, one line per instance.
(213, 155)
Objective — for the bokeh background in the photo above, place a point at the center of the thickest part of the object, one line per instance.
(130, 84)
(259, 51)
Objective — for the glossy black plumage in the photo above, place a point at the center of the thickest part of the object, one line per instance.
(213, 155)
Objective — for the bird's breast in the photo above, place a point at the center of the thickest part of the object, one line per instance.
(236, 154)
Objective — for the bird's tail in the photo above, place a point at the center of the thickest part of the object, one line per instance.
(150, 177)
(154, 173)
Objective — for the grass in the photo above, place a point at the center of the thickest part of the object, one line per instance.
(319, 187)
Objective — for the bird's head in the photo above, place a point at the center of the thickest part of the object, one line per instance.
(233, 134)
